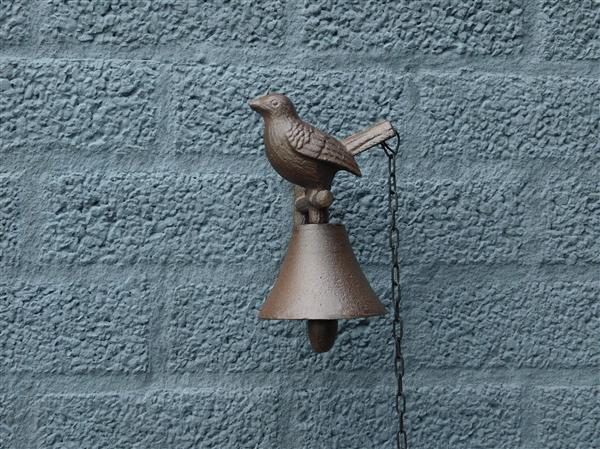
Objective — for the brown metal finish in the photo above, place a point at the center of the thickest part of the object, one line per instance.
(307, 156)
(320, 279)
(321, 334)
(299, 152)
(370, 137)
(300, 214)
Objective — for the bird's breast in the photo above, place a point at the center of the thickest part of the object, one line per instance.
(290, 164)
(281, 155)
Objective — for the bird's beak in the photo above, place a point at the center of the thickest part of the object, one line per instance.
(255, 104)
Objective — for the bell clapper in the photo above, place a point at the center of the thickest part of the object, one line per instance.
(322, 334)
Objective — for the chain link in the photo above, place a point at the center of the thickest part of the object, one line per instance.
(398, 325)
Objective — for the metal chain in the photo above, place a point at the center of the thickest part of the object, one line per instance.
(398, 325)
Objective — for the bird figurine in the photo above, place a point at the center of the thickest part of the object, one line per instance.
(301, 153)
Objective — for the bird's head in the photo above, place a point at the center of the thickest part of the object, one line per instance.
(273, 105)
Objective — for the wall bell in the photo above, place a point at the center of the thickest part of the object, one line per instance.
(320, 279)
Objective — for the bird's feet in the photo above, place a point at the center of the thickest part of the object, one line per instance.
(313, 204)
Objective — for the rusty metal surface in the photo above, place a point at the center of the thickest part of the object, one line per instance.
(322, 334)
(299, 152)
(320, 279)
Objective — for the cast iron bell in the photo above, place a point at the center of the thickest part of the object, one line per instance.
(320, 280)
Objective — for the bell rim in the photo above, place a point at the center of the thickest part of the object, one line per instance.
(325, 317)
(316, 225)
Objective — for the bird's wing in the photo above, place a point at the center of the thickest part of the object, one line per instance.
(309, 141)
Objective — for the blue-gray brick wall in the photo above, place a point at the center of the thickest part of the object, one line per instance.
(141, 226)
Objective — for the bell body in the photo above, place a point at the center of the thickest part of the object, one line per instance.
(320, 279)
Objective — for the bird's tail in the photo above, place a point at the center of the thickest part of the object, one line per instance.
(353, 166)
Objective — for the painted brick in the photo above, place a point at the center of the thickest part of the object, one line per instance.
(133, 23)
(569, 417)
(77, 360)
(9, 216)
(475, 27)
(482, 221)
(93, 105)
(462, 417)
(211, 99)
(438, 417)
(571, 29)
(571, 222)
(484, 116)
(8, 421)
(164, 217)
(215, 328)
(159, 419)
(536, 325)
(74, 328)
(13, 23)
(347, 418)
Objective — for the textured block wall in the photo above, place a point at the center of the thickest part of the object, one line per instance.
(141, 226)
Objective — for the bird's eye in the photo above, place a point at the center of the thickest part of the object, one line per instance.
(274, 103)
